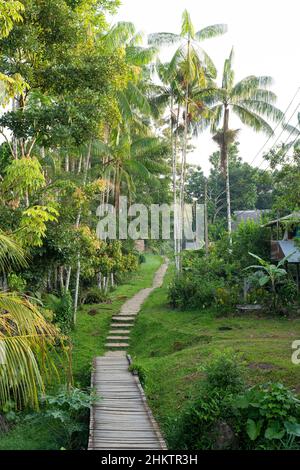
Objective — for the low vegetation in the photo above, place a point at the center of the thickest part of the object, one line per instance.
(182, 351)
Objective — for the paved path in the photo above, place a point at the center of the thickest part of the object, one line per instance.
(121, 419)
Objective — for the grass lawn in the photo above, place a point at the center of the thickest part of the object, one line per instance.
(172, 345)
(88, 342)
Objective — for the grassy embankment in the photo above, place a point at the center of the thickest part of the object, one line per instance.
(88, 341)
(172, 345)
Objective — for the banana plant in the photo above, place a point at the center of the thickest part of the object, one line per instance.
(272, 274)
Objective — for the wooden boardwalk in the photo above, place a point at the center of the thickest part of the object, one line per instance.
(121, 418)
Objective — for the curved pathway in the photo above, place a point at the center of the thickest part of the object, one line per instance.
(121, 419)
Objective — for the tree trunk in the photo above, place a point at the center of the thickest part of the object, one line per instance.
(79, 165)
(225, 167)
(67, 163)
(176, 216)
(77, 288)
(86, 167)
(61, 278)
(68, 278)
(183, 166)
(49, 284)
(228, 201)
(174, 169)
(117, 189)
(206, 220)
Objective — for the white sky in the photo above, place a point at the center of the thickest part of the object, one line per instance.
(265, 36)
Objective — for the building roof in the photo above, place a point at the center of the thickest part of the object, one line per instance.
(242, 216)
(294, 216)
(290, 249)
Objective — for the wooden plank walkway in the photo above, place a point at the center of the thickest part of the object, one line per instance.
(121, 418)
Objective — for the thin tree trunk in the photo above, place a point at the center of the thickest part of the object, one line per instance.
(79, 165)
(67, 163)
(206, 220)
(15, 106)
(61, 278)
(26, 199)
(77, 282)
(225, 165)
(49, 285)
(117, 190)
(183, 165)
(228, 201)
(55, 278)
(68, 278)
(176, 221)
(173, 149)
(99, 280)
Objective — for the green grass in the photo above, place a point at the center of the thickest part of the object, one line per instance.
(172, 345)
(88, 341)
(29, 437)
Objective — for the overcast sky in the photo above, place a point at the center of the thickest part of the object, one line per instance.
(265, 36)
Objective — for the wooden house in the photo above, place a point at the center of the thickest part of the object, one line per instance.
(285, 241)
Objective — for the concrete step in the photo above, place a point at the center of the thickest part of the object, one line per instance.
(119, 332)
(117, 345)
(122, 318)
(117, 337)
(121, 325)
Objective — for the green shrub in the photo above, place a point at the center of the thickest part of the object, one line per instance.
(67, 414)
(94, 295)
(269, 417)
(142, 258)
(224, 373)
(62, 308)
(287, 291)
(249, 237)
(205, 281)
(187, 292)
(197, 427)
(16, 282)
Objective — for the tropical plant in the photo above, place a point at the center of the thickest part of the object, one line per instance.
(270, 416)
(252, 102)
(271, 274)
(66, 415)
(27, 340)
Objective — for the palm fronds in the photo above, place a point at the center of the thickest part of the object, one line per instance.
(26, 340)
(163, 39)
(252, 119)
(211, 31)
(11, 254)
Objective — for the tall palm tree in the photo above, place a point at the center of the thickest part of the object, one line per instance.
(196, 66)
(251, 101)
(27, 340)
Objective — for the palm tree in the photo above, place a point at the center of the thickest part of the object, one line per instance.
(27, 340)
(196, 67)
(128, 157)
(251, 101)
